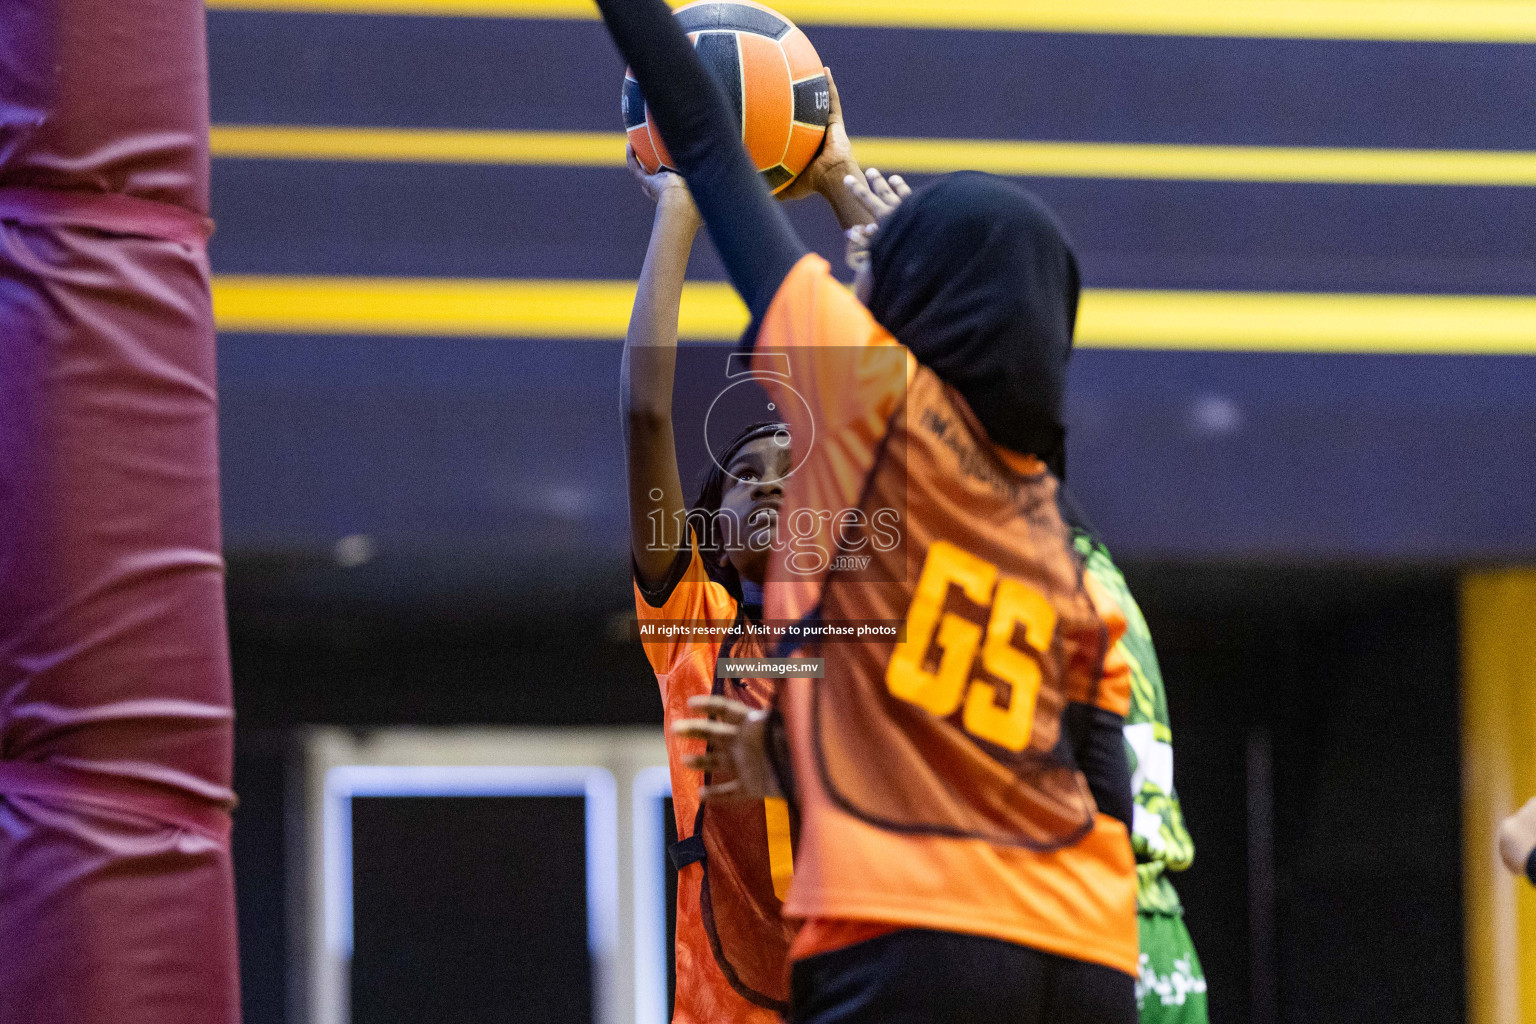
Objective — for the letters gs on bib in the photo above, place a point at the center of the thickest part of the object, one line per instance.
(943, 688)
(772, 77)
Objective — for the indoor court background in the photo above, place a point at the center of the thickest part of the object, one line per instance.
(1303, 415)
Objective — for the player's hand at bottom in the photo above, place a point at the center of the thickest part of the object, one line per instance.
(736, 755)
(1517, 837)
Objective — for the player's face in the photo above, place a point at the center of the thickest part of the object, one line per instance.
(750, 505)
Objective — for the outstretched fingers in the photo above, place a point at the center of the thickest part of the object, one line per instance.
(706, 729)
(879, 196)
(883, 189)
(876, 206)
(731, 790)
(705, 762)
(723, 708)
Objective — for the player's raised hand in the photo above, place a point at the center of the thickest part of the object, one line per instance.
(833, 161)
(736, 753)
(664, 185)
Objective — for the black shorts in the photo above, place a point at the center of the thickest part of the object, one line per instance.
(926, 977)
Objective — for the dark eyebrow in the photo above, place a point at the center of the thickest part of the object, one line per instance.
(744, 456)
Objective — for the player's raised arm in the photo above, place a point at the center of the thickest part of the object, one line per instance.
(749, 230)
(650, 360)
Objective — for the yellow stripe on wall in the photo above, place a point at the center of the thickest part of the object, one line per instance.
(459, 308)
(1109, 318)
(1492, 21)
(1308, 322)
(1498, 743)
(1203, 163)
(418, 145)
(916, 156)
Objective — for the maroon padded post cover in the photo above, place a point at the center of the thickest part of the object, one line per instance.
(116, 890)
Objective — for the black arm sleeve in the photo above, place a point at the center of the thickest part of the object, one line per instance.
(753, 236)
(1530, 867)
(1099, 744)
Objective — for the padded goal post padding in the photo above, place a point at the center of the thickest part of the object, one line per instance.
(116, 889)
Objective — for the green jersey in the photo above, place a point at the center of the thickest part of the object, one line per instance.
(1158, 836)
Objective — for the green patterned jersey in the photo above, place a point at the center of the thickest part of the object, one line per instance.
(1158, 835)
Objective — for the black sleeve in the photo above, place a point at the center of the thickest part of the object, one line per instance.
(749, 229)
(1530, 867)
(1099, 744)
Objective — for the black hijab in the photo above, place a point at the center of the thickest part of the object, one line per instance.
(975, 276)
